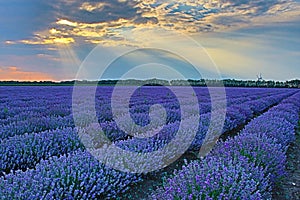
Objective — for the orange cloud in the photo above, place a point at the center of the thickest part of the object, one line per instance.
(15, 73)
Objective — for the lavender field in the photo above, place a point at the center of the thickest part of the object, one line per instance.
(44, 156)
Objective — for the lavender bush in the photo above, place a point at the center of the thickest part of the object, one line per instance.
(216, 178)
(25, 151)
(258, 148)
(42, 158)
(73, 176)
(35, 124)
(228, 171)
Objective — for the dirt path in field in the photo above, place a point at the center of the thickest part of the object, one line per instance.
(289, 187)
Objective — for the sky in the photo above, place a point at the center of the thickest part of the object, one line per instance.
(54, 40)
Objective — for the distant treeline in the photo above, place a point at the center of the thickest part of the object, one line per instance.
(154, 82)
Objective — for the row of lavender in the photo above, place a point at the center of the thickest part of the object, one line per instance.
(76, 174)
(236, 115)
(37, 109)
(23, 152)
(26, 150)
(243, 167)
(34, 109)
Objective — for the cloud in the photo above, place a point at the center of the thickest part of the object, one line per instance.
(92, 11)
(48, 65)
(48, 40)
(105, 22)
(72, 28)
(90, 7)
(16, 73)
(48, 57)
(9, 42)
(66, 22)
(272, 50)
